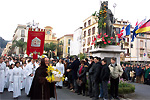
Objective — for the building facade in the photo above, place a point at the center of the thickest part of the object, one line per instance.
(89, 31)
(136, 51)
(21, 32)
(75, 44)
(139, 50)
(64, 45)
(49, 35)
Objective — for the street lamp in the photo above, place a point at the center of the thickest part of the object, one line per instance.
(114, 5)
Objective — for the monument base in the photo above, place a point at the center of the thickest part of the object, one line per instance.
(108, 52)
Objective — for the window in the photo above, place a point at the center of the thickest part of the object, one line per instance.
(117, 30)
(128, 52)
(89, 32)
(131, 45)
(93, 30)
(141, 34)
(22, 33)
(141, 53)
(84, 33)
(69, 41)
(89, 22)
(84, 42)
(125, 23)
(141, 43)
(68, 50)
(127, 39)
(89, 40)
(85, 25)
(87, 50)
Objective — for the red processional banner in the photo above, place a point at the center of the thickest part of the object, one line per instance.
(35, 42)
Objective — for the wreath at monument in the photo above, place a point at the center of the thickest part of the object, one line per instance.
(102, 41)
(101, 15)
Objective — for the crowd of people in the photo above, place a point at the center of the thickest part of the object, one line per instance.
(89, 76)
(17, 74)
(137, 73)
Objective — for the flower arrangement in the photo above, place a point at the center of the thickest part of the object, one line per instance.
(101, 15)
(54, 75)
(102, 41)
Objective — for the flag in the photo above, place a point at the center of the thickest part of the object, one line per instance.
(141, 23)
(128, 30)
(136, 23)
(134, 34)
(144, 28)
(137, 26)
(122, 33)
(35, 42)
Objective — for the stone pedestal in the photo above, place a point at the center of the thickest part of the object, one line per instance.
(108, 52)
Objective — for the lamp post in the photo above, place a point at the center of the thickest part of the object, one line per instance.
(114, 5)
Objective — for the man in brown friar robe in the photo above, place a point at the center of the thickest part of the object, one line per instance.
(41, 89)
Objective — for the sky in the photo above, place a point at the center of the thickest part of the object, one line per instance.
(65, 16)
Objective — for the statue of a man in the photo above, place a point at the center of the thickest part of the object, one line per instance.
(109, 20)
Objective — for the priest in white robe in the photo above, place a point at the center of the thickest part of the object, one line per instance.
(30, 71)
(2, 75)
(10, 72)
(16, 80)
(61, 68)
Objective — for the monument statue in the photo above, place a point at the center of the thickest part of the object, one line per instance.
(109, 20)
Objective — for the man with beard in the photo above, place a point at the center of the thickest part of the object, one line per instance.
(41, 89)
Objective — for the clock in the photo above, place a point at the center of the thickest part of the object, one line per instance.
(48, 32)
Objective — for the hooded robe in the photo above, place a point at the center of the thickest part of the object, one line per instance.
(41, 89)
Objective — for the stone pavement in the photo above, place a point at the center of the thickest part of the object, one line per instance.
(142, 92)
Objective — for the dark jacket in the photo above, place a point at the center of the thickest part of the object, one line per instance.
(146, 71)
(82, 76)
(148, 79)
(86, 63)
(74, 66)
(105, 73)
(69, 67)
(95, 72)
(89, 66)
(138, 71)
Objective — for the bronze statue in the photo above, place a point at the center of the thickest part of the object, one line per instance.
(109, 20)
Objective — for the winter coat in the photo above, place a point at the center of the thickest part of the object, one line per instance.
(75, 65)
(146, 72)
(82, 76)
(115, 71)
(95, 72)
(138, 71)
(105, 73)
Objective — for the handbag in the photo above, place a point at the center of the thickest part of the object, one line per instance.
(79, 82)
